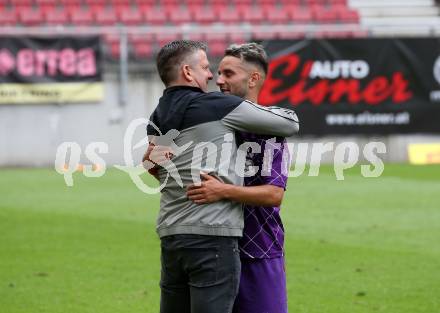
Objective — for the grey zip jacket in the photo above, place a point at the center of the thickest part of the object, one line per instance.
(200, 127)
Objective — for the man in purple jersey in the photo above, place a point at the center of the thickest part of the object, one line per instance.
(263, 279)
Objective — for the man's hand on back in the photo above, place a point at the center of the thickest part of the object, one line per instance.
(210, 190)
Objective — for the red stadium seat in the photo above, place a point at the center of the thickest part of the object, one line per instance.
(252, 15)
(144, 2)
(196, 36)
(130, 16)
(155, 16)
(106, 17)
(56, 16)
(22, 3)
(299, 14)
(179, 16)
(96, 5)
(164, 38)
(339, 2)
(168, 4)
(277, 15)
(229, 15)
(347, 15)
(142, 50)
(324, 14)
(317, 2)
(115, 50)
(217, 43)
(112, 42)
(141, 38)
(217, 47)
(247, 2)
(266, 3)
(194, 2)
(30, 17)
(101, 3)
(216, 36)
(287, 3)
(237, 38)
(71, 4)
(8, 17)
(80, 16)
(46, 3)
(204, 15)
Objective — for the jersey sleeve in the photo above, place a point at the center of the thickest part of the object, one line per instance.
(254, 118)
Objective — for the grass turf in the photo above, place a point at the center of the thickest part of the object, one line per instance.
(358, 245)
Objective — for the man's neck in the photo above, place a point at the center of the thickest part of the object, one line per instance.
(252, 97)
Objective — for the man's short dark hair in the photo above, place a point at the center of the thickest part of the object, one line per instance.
(171, 56)
(249, 52)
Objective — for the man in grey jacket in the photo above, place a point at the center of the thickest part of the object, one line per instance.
(199, 243)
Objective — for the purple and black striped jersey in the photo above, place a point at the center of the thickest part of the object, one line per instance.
(263, 234)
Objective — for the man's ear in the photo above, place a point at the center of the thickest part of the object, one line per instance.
(254, 79)
(186, 70)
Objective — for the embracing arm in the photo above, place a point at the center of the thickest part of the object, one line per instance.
(155, 156)
(264, 195)
(212, 190)
(254, 118)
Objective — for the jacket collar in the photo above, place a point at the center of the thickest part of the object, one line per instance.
(174, 88)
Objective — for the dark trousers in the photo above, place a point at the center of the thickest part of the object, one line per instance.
(200, 274)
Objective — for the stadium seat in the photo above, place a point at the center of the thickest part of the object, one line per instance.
(164, 38)
(299, 14)
(246, 2)
(8, 17)
(252, 15)
(56, 16)
(142, 50)
(80, 16)
(216, 48)
(129, 16)
(324, 14)
(106, 16)
(46, 4)
(112, 42)
(277, 15)
(144, 2)
(347, 15)
(96, 5)
(141, 37)
(266, 3)
(287, 3)
(204, 15)
(101, 3)
(22, 3)
(316, 2)
(228, 15)
(179, 16)
(216, 36)
(236, 37)
(197, 36)
(70, 4)
(194, 2)
(31, 17)
(155, 16)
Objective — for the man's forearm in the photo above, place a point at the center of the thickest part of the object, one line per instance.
(265, 195)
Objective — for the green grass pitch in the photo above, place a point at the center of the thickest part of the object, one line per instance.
(358, 245)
